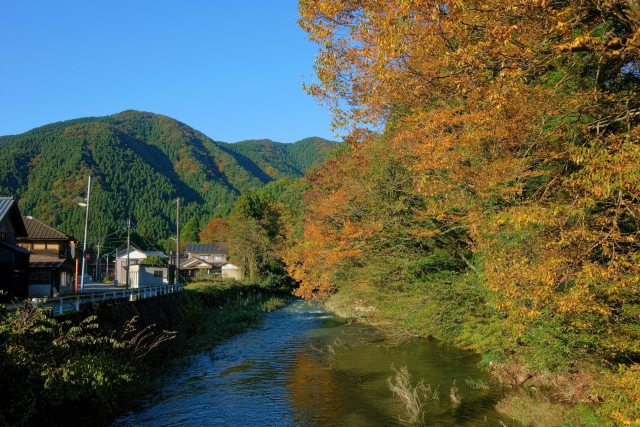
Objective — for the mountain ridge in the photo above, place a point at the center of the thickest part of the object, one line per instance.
(140, 162)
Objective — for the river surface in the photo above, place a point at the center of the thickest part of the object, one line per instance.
(305, 367)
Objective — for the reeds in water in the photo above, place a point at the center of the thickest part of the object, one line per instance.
(413, 398)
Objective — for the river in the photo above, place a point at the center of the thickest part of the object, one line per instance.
(305, 367)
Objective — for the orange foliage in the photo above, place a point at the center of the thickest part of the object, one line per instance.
(517, 124)
(216, 231)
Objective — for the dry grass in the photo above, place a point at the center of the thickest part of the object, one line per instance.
(453, 394)
(413, 398)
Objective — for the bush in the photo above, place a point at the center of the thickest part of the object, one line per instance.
(69, 371)
(153, 260)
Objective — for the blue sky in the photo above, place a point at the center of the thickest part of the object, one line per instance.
(231, 69)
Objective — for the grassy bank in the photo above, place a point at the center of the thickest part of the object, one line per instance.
(588, 396)
(216, 310)
(87, 368)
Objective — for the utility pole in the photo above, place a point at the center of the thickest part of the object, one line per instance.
(98, 266)
(86, 223)
(177, 272)
(107, 264)
(128, 250)
(75, 285)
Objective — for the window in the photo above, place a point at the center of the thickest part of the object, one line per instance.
(3, 236)
(202, 257)
(218, 258)
(39, 246)
(158, 273)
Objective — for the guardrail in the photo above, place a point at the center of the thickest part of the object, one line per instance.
(68, 303)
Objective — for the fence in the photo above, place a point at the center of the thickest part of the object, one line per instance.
(70, 303)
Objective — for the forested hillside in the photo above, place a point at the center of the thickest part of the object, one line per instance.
(140, 163)
(283, 160)
(500, 207)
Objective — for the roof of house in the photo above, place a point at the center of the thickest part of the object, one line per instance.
(5, 205)
(38, 230)
(230, 267)
(156, 253)
(46, 264)
(14, 248)
(123, 253)
(195, 263)
(8, 206)
(207, 248)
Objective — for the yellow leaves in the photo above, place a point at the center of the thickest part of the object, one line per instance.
(580, 43)
(622, 395)
(487, 108)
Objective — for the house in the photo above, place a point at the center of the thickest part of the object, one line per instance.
(192, 266)
(213, 253)
(135, 258)
(14, 260)
(204, 258)
(231, 271)
(52, 262)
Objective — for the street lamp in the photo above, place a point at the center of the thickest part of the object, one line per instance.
(86, 223)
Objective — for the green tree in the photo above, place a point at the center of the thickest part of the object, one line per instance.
(189, 231)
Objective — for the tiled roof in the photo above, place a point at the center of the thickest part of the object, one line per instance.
(156, 253)
(38, 230)
(46, 264)
(213, 248)
(195, 263)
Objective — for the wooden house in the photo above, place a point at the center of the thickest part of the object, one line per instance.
(14, 260)
(52, 262)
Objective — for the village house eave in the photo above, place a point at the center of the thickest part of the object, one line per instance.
(8, 206)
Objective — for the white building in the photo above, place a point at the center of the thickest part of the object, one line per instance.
(135, 258)
(231, 271)
(144, 276)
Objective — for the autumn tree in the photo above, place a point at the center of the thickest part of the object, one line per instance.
(216, 230)
(517, 123)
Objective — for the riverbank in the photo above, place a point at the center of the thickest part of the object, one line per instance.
(586, 397)
(90, 367)
(219, 309)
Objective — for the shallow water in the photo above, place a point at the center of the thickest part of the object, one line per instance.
(304, 367)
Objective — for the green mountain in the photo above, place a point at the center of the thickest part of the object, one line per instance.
(140, 163)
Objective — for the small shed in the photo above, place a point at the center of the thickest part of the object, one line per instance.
(145, 276)
(231, 271)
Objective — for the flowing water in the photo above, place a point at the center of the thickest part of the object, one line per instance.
(305, 367)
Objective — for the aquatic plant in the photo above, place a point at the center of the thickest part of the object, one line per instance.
(413, 398)
(476, 384)
(453, 394)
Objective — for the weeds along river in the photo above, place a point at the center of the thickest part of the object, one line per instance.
(305, 367)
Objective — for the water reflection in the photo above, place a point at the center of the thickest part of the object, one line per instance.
(304, 367)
